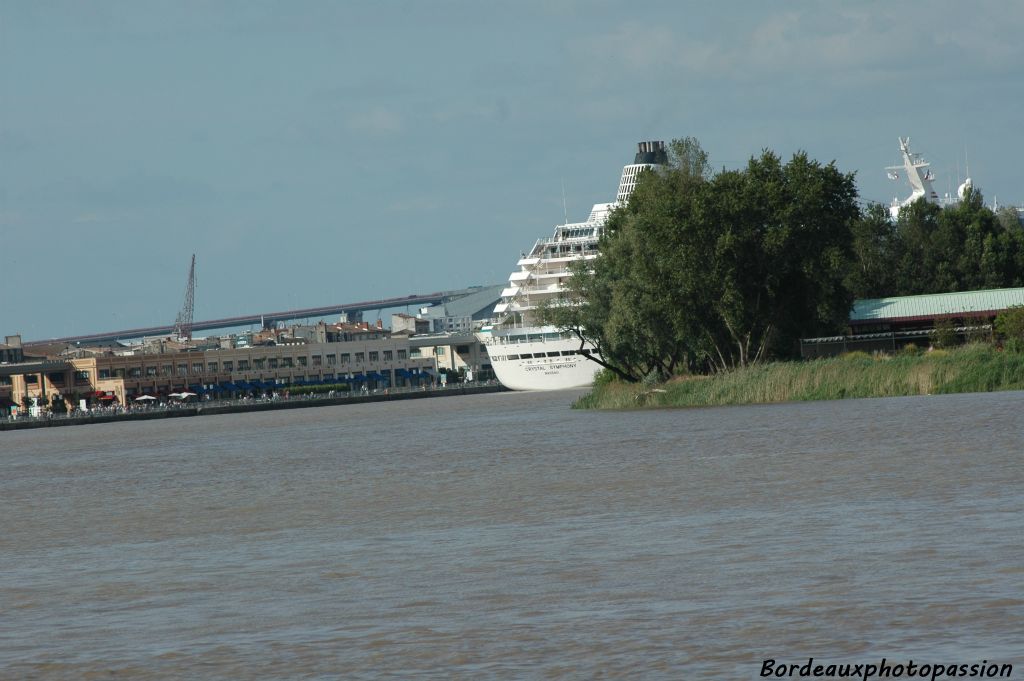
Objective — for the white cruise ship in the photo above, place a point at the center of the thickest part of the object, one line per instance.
(524, 354)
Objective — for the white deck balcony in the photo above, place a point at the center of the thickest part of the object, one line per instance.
(543, 291)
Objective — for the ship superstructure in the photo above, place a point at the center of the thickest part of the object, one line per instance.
(525, 354)
(918, 174)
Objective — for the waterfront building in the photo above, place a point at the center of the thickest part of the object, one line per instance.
(11, 353)
(888, 324)
(460, 354)
(407, 324)
(364, 357)
(11, 350)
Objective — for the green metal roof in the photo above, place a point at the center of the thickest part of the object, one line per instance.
(936, 305)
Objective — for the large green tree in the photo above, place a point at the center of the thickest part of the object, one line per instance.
(711, 271)
(932, 249)
(877, 253)
(630, 303)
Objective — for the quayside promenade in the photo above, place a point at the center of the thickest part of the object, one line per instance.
(217, 407)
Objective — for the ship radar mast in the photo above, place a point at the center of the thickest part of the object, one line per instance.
(918, 175)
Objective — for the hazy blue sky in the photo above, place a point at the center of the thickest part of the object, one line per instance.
(319, 152)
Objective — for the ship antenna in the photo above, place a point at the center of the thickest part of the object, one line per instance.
(565, 211)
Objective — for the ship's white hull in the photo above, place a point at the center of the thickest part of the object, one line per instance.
(541, 365)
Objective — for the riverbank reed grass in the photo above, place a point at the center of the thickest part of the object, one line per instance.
(974, 368)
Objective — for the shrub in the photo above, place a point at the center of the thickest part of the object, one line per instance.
(1010, 326)
(604, 377)
(981, 333)
(972, 368)
(653, 378)
(944, 334)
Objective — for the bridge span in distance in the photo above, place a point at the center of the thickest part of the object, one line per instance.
(269, 317)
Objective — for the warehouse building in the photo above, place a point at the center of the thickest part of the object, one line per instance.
(886, 324)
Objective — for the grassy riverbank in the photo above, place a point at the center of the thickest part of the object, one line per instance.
(975, 368)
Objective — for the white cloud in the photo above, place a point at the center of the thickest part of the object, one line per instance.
(376, 121)
(499, 109)
(800, 39)
(417, 205)
(87, 218)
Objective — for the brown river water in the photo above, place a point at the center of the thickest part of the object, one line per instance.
(505, 536)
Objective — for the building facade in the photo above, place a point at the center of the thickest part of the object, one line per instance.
(375, 363)
(11, 351)
(887, 324)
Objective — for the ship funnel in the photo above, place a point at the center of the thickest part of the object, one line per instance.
(652, 153)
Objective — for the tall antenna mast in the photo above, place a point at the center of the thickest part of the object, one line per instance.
(183, 324)
(565, 211)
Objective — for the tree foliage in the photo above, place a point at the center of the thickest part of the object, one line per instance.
(1010, 325)
(877, 253)
(709, 271)
(705, 271)
(931, 249)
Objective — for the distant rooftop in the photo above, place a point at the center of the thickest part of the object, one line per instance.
(970, 303)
